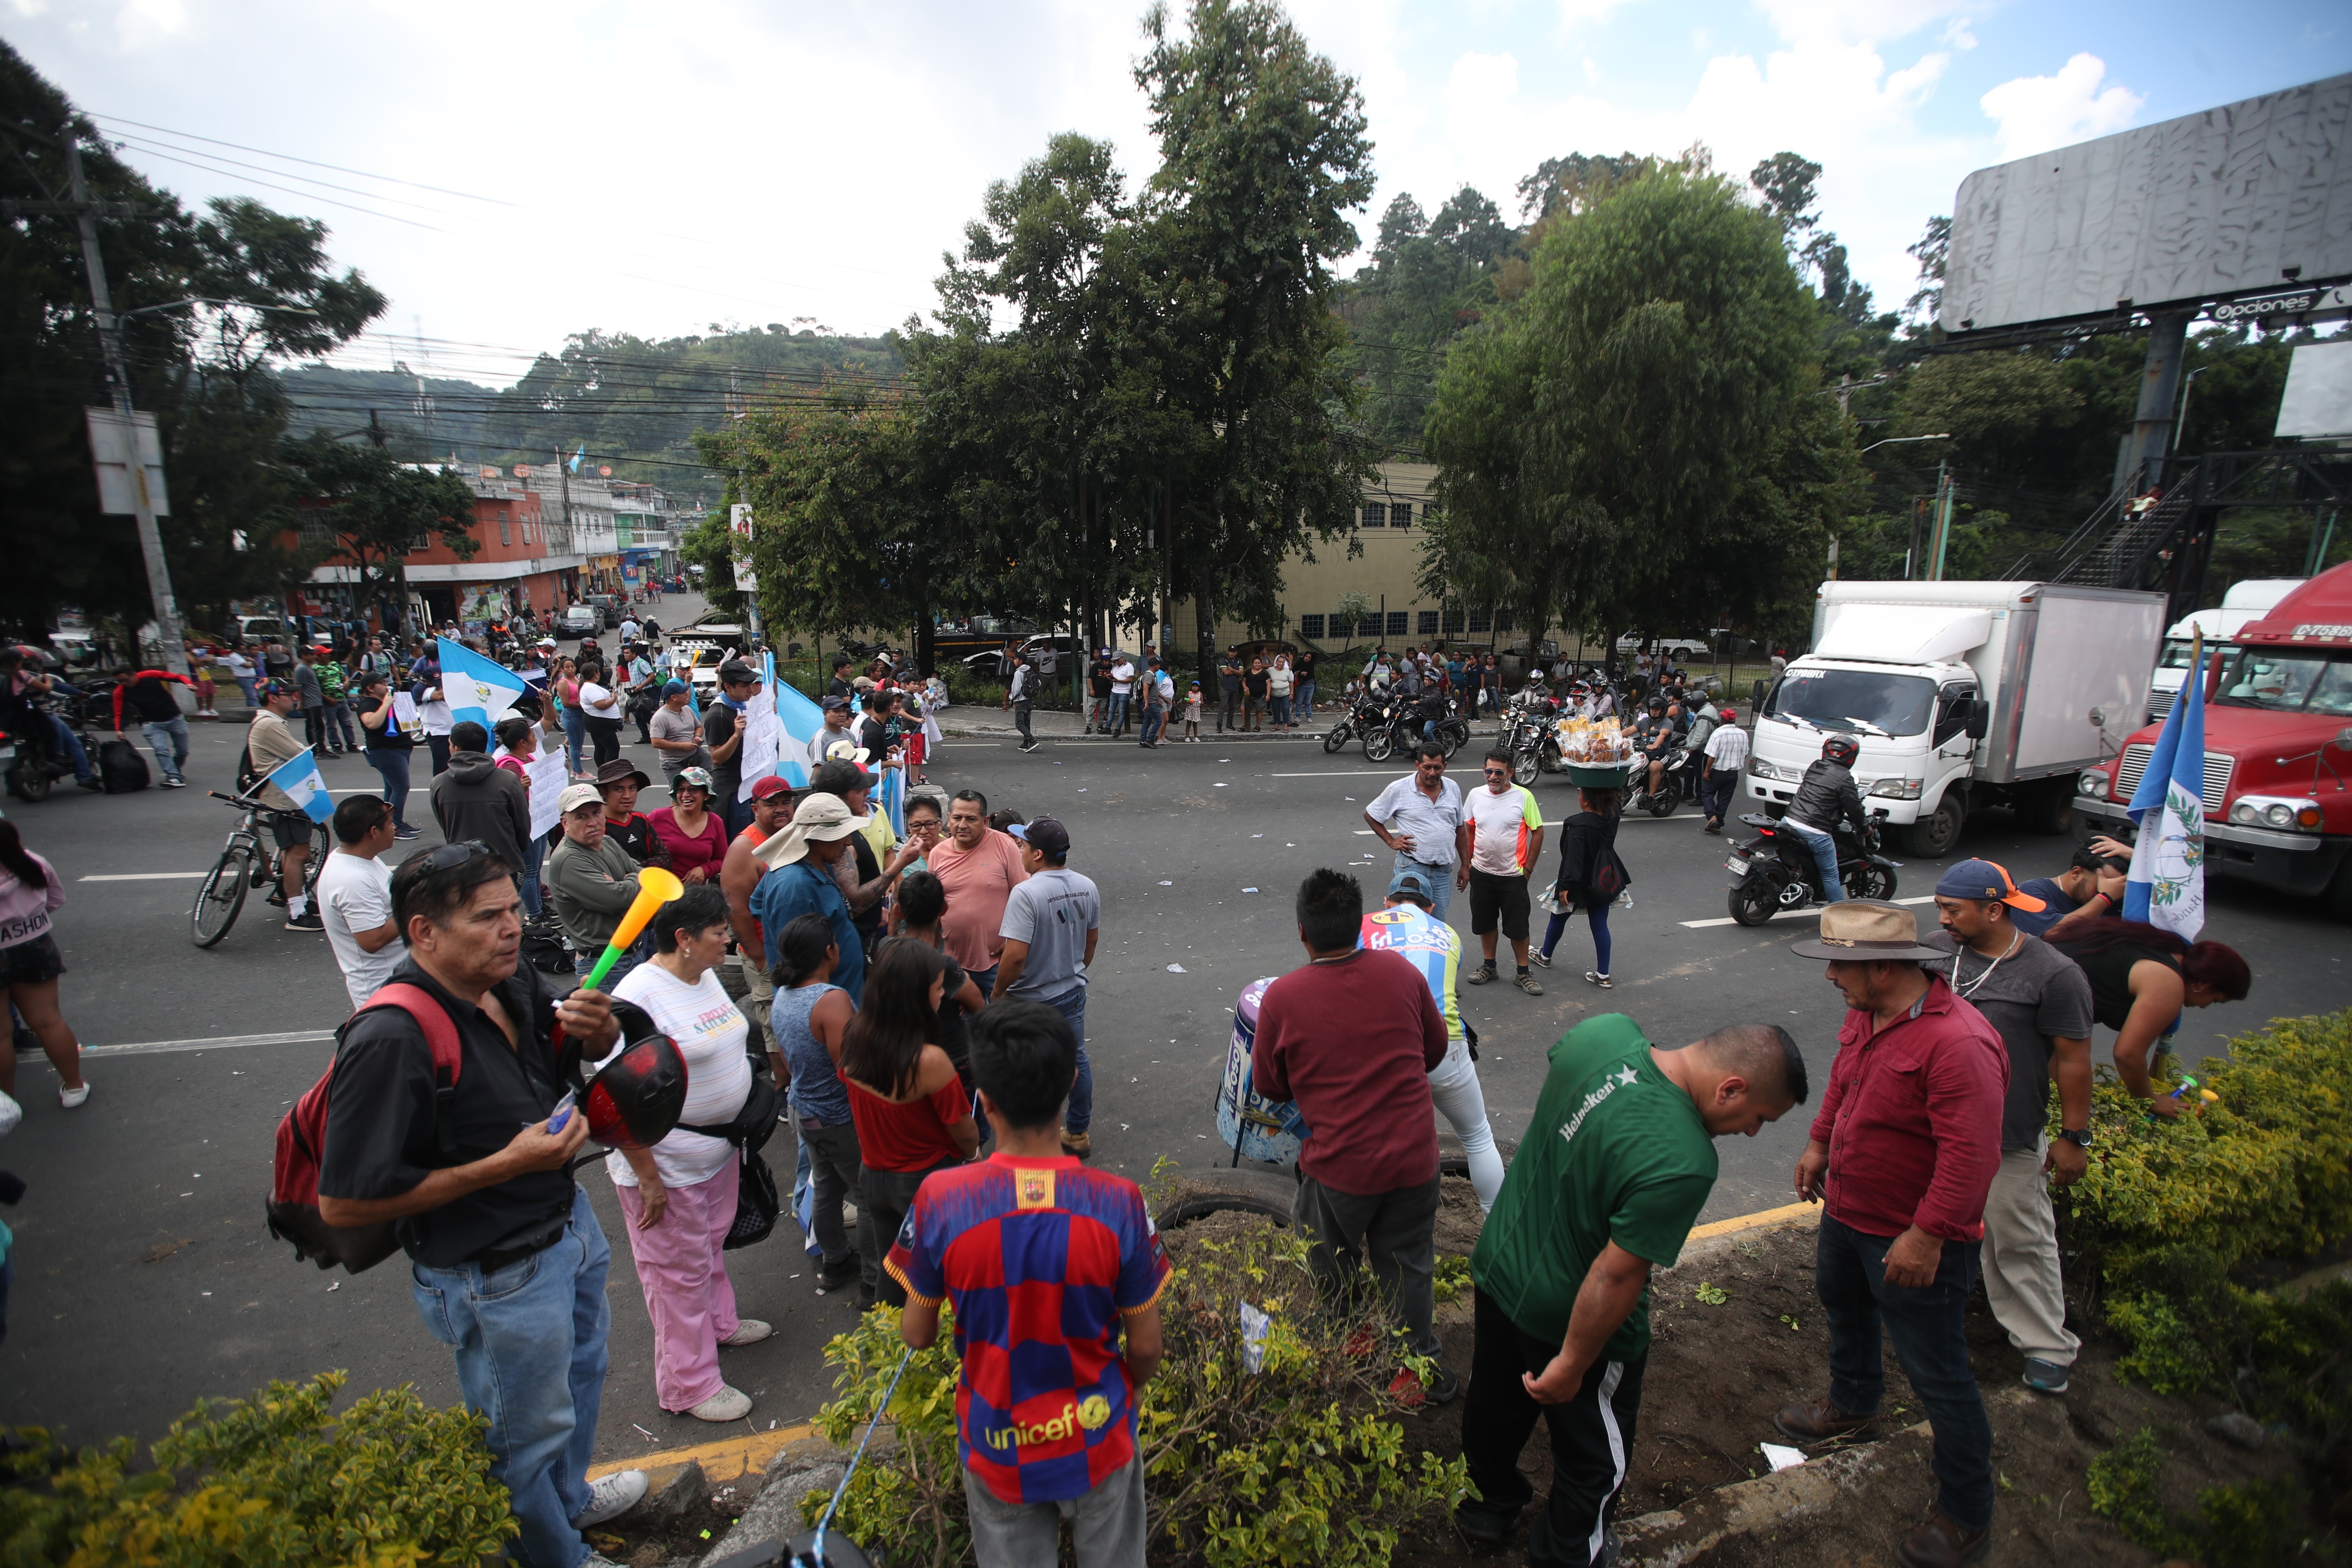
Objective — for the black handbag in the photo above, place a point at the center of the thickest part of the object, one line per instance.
(757, 1204)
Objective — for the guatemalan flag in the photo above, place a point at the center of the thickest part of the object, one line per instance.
(780, 724)
(476, 688)
(2167, 887)
(300, 777)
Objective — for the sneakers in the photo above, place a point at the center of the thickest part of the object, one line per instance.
(403, 835)
(727, 1405)
(2044, 1377)
(89, 783)
(832, 1276)
(1410, 1391)
(72, 1098)
(615, 1495)
(1816, 1421)
(1594, 977)
(1483, 975)
(175, 784)
(1528, 983)
(307, 921)
(749, 1331)
(1076, 1143)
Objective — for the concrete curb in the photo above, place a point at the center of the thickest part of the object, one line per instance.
(1675, 1536)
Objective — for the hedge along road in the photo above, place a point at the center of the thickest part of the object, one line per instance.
(144, 1277)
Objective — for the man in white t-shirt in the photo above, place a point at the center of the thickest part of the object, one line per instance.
(1506, 838)
(355, 897)
(1122, 682)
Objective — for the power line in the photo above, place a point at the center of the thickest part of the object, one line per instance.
(307, 196)
(166, 148)
(291, 158)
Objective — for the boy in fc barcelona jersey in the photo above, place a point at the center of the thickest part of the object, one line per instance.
(1051, 1265)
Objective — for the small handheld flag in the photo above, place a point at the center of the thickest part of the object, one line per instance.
(300, 777)
(476, 688)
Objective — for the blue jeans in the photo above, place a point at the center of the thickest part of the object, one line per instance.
(1931, 1342)
(1439, 878)
(631, 956)
(531, 1356)
(1302, 699)
(1281, 714)
(1154, 720)
(1117, 712)
(392, 762)
(1596, 916)
(534, 854)
(168, 738)
(250, 686)
(1072, 1004)
(576, 735)
(1824, 849)
(341, 729)
(70, 746)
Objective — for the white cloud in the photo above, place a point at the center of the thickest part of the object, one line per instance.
(1958, 37)
(2036, 113)
(1856, 21)
(1578, 13)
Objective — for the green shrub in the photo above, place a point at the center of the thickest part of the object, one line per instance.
(1452, 1277)
(2256, 1526)
(275, 1480)
(1298, 1463)
(2124, 1486)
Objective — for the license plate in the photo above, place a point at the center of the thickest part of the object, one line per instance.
(1737, 864)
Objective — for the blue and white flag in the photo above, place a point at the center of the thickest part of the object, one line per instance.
(476, 688)
(782, 723)
(2166, 884)
(577, 456)
(300, 777)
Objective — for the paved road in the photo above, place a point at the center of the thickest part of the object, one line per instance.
(144, 1277)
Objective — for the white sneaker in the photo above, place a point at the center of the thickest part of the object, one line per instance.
(72, 1098)
(748, 1332)
(727, 1405)
(613, 1495)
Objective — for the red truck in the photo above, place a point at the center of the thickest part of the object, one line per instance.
(2278, 752)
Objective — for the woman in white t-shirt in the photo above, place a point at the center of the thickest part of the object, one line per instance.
(600, 706)
(679, 1195)
(1277, 687)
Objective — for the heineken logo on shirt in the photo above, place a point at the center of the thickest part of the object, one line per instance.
(1625, 1078)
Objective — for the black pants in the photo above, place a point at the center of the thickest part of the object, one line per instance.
(604, 734)
(1395, 1232)
(835, 1171)
(1592, 1438)
(439, 746)
(1020, 722)
(886, 1196)
(1228, 705)
(314, 728)
(1715, 792)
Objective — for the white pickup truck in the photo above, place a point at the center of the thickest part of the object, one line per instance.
(1960, 695)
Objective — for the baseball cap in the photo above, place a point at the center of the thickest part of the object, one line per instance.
(768, 787)
(834, 704)
(1410, 884)
(574, 797)
(673, 689)
(1045, 834)
(735, 672)
(1985, 879)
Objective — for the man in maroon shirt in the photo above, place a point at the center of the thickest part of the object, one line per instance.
(1905, 1149)
(1351, 1039)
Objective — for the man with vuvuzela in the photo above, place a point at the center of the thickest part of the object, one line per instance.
(1616, 1164)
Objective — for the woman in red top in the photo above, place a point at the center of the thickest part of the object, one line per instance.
(910, 1105)
(696, 839)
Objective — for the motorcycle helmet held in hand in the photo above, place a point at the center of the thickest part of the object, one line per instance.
(1841, 750)
(637, 1095)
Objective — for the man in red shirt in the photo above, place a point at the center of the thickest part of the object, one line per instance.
(1351, 1039)
(1905, 1149)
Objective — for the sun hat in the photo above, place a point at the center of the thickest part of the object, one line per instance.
(1858, 931)
(821, 818)
(692, 778)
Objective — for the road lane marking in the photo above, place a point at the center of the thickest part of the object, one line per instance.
(217, 1043)
(1814, 911)
(147, 877)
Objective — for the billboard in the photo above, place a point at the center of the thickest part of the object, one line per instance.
(2254, 198)
(2318, 400)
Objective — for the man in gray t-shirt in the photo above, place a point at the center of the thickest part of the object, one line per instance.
(1050, 924)
(2040, 1002)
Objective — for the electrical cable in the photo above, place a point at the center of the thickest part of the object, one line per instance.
(307, 195)
(291, 158)
(144, 145)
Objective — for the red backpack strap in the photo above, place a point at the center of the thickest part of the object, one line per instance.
(448, 1054)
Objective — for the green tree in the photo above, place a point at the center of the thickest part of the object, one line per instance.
(1428, 281)
(363, 509)
(1639, 435)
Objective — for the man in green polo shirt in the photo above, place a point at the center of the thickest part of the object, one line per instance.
(1614, 1168)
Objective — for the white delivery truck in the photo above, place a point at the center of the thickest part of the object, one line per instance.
(1960, 695)
(2248, 601)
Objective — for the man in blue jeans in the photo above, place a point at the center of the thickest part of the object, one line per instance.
(1421, 817)
(1826, 800)
(1904, 1150)
(1051, 925)
(507, 1262)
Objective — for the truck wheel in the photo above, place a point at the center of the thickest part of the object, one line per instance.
(1932, 838)
(2047, 807)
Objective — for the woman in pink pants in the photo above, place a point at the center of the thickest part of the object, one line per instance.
(679, 1194)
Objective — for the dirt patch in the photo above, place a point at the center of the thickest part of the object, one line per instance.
(638, 1542)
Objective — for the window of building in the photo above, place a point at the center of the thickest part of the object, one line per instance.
(1428, 623)
(1503, 623)
(1480, 621)
(1397, 619)
(1453, 621)
(502, 529)
(1370, 626)
(1401, 514)
(1311, 627)
(1376, 514)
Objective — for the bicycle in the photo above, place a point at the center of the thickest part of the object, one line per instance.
(248, 860)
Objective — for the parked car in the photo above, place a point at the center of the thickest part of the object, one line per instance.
(991, 662)
(579, 621)
(1632, 643)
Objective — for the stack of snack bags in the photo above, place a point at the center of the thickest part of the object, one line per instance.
(1594, 742)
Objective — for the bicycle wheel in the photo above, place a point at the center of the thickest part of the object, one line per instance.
(322, 844)
(222, 895)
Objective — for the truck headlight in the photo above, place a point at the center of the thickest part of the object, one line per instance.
(1758, 768)
(2094, 782)
(2285, 813)
(1897, 788)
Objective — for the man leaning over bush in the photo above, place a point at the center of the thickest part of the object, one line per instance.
(1617, 1163)
(507, 1260)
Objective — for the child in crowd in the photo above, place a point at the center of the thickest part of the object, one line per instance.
(1192, 715)
(1033, 1237)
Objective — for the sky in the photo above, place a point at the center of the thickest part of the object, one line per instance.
(656, 168)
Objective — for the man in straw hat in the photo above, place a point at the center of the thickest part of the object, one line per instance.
(1904, 1150)
(799, 881)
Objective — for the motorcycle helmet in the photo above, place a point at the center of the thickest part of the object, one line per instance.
(637, 1098)
(1841, 750)
(1657, 704)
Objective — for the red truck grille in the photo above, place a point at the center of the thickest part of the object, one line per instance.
(2218, 765)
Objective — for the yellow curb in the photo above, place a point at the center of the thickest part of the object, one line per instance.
(729, 1459)
(1789, 1214)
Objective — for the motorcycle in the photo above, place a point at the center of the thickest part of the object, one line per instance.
(38, 761)
(1677, 783)
(1356, 721)
(1774, 872)
(1401, 724)
(1530, 733)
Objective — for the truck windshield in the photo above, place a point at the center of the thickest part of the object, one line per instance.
(2301, 681)
(1853, 700)
(2176, 654)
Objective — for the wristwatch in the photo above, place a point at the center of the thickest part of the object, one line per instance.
(2081, 1139)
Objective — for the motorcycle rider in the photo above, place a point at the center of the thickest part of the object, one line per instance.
(1655, 734)
(23, 718)
(1826, 800)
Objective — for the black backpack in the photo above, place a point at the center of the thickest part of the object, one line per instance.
(121, 768)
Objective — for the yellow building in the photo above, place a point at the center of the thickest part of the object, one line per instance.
(1389, 523)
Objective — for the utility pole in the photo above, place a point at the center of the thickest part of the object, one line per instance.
(118, 376)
